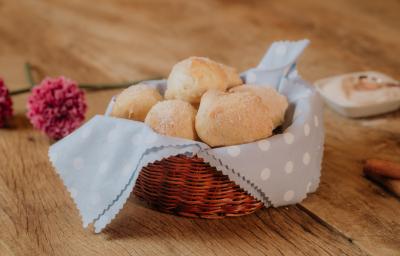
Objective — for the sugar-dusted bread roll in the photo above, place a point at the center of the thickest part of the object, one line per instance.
(173, 118)
(276, 102)
(231, 118)
(192, 77)
(135, 101)
(232, 76)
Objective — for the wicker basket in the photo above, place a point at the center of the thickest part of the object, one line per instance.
(188, 186)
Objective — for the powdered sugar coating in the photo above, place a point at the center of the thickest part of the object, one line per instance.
(173, 118)
(192, 77)
(276, 102)
(233, 118)
(135, 102)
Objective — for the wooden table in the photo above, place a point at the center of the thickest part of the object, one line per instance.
(123, 40)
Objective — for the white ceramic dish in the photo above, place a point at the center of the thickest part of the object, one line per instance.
(353, 110)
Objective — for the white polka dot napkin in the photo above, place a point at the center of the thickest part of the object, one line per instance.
(100, 162)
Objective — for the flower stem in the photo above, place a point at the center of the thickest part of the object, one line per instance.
(29, 76)
(28, 73)
(114, 86)
(20, 91)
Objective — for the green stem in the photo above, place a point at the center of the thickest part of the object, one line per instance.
(28, 73)
(29, 76)
(114, 86)
(19, 91)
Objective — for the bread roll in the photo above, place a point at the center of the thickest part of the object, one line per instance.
(192, 77)
(135, 101)
(173, 118)
(276, 103)
(232, 76)
(225, 119)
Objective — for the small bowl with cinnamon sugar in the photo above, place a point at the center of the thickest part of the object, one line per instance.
(360, 94)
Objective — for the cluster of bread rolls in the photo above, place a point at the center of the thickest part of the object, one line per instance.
(206, 101)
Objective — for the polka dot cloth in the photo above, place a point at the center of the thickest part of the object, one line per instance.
(289, 167)
(73, 192)
(306, 129)
(306, 158)
(281, 50)
(288, 137)
(265, 173)
(233, 151)
(264, 145)
(316, 121)
(251, 77)
(288, 196)
(77, 163)
(103, 168)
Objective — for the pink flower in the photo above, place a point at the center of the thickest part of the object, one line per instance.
(6, 110)
(57, 107)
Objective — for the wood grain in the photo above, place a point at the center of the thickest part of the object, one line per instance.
(114, 41)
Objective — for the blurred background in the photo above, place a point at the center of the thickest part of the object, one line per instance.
(124, 40)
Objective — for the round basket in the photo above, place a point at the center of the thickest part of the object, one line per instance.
(188, 186)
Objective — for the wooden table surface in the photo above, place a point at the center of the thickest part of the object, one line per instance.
(113, 41)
